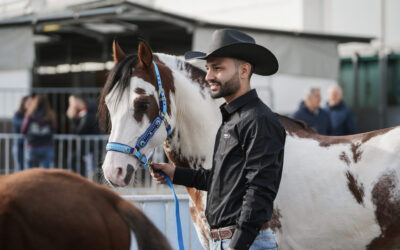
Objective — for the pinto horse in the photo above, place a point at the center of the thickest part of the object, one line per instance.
(336, 192)
(55, 209)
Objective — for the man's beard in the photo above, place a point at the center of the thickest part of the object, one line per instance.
(229, 88)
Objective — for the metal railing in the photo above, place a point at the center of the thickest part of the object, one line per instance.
(161, 210)
(82, 154)
(58, 97)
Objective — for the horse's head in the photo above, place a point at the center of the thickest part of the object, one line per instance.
(131, 104)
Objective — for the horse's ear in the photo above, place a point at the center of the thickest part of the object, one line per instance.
(145, 54)
(118, 53)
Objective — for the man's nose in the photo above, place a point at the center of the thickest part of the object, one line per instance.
(209, 76)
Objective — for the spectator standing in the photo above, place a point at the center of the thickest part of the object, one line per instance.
(342, 119)
(310, 112)
(38, 126)
(82, 115)
(18, 148)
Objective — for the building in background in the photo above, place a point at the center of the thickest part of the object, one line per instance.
(71, 42)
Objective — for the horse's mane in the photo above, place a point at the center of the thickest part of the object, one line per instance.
(303, 130)
(120, 75)
(293, 125)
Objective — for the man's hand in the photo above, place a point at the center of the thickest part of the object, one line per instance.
(168, 169)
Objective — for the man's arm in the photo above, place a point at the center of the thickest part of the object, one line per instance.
(181, 176)
(264, 141)
(197, 178)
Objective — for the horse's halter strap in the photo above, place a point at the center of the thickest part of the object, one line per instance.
(150, 131)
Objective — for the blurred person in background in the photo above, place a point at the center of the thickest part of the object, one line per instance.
(82, 116)
(18, 148)
(310, 112)
(38, 127)
(342, 119)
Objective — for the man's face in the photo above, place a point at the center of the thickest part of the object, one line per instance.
(223, 77)
(75, 103)
(315, 100)
(72, 102)
(334, 96)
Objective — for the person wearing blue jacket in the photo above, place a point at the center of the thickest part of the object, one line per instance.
(342, 119)
(310, 112)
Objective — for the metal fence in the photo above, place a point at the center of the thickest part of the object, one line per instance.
(58, 97)
(161, 210)
(82, 154)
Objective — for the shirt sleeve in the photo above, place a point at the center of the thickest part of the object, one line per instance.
(197, 178)
(263, 142)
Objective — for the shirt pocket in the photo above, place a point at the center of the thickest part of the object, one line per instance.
(229, 141)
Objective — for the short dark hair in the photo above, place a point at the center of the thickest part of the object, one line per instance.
(240, 62)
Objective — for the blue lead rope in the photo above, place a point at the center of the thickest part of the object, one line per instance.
(177, 214)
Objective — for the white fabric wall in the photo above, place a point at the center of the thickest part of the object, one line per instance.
(296, 55)
(304, 63)
(17, 48)
(16, 61)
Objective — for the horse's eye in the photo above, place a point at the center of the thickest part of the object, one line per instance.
(142, 106)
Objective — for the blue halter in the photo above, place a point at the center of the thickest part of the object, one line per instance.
(150, 131)
(142, 142)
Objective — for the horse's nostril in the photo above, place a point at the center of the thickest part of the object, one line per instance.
(129, 172)
(119, 171)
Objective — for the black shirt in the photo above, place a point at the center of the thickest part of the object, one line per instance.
(246, 171)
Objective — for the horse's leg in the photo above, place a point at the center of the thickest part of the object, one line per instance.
(197, 209)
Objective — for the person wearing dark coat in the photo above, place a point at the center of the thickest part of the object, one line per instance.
(82, 115)
(18, 118)
(342, 119)
(38, 126)
(310, 112)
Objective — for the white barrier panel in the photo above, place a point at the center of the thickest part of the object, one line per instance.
(161, 210)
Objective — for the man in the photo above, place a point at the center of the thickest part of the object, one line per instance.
(248, 153)
(310, 112)
(82, 115)
(342, 119)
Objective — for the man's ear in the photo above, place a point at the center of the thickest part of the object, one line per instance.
(245, 70)
(145, 54)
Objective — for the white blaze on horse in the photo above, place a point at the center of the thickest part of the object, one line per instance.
(54, 209)
(336, 192)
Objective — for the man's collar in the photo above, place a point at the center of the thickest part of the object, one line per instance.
(239, 102)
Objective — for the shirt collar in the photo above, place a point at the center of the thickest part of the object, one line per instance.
(232, 107)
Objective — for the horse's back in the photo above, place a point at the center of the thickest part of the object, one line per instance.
(343, 190)
(53, 209)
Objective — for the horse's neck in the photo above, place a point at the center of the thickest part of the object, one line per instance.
(195, 118)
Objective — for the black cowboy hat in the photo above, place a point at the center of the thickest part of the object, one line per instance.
(236, 44)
